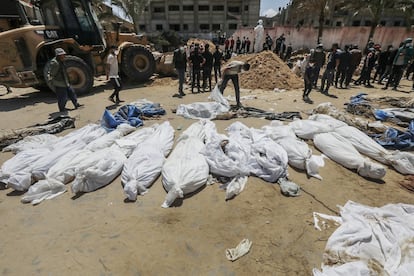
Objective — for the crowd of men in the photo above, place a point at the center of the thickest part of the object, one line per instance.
(386, 66)
(376, 64)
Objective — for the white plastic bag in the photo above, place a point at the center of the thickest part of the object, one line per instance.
(186, 169)
(43, 190)
(205, 110)
(144, 165)
(306, 129)
(343, 152)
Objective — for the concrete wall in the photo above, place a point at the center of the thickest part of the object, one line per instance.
(307, 37)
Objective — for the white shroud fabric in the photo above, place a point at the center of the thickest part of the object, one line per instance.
(186, 169)
(343, 152)
(371, 241)
(144, 165)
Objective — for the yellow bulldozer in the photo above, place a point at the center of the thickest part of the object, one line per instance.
(31, 30)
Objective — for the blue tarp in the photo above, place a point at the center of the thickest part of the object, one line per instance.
(396, 139)
(130, 114)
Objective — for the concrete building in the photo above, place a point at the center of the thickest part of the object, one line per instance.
(199, 16)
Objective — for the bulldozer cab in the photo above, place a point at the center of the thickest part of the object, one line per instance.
(75, 18)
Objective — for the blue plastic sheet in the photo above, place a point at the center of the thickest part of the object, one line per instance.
(396, 139)
(130, 114)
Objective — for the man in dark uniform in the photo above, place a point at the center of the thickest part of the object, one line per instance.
(196, 61)
(180, 64)
(331, 66)
(217, 57)
(207, 67)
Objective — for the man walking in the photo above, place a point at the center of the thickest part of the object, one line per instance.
(180, 64)
(59, 78)
(112, 74)
(231, 72)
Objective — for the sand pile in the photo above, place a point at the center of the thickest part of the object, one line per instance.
(267, 72)
(202, 42)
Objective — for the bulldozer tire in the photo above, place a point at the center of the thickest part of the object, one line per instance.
(137, 63)
(79, 73)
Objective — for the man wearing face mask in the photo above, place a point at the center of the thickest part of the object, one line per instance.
(403, 56)
(180, 64)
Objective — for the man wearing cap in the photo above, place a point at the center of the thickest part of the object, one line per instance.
(403, 56)
(59, 79)
(112, 74)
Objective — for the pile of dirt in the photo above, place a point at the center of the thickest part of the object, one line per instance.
(267, 72)
(202, 42)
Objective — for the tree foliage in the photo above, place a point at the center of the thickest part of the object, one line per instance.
(132, 9)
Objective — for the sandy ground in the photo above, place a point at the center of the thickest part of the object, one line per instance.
(99, 233)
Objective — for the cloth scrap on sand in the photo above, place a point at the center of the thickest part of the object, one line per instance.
(242, 249)
(51, 126)
(371, 241)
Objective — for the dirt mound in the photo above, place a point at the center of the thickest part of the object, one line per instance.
(267, 72)
(202, 42)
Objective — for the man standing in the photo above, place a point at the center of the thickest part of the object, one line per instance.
(207, 67)
(112, 74)
(403, 56)
(343, 67)
(196, 61)
(331, 66)
(180, 64)
(319, 57)
(311, 73)
(231, 72)
(218, 57)
(59, 79)
(356, 57)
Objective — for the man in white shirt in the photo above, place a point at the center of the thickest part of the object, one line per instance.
(231, 72)
(112, 74)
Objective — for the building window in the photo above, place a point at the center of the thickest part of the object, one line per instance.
(338, 23)
(204, 27)
(367, 23)
(356, 23)
(246, 8)
(142, 27)
(188, 8)
(397, 23)
(203, 8)
(218, 8)
(383, 23)
(232, 26)
(159, 9)
(175, 27)
(234, 9)
(215, 27)
(158, 27)
(185, 27)
(174, 8)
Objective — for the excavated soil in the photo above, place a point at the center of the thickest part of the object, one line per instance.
(267, 72)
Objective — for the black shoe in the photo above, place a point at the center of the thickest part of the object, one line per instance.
(384, 88)
(119, 101)
(182, 94)
(369, 86)
(78, 105)
(111, 99)
(394, 88)
(177, 96)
